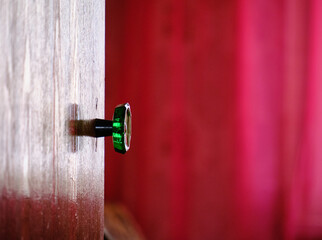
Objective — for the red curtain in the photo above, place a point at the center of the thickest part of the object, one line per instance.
(227, 117)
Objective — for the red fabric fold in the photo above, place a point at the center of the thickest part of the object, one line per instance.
(227, 117)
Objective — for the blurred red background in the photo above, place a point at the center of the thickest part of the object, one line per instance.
(227, 117)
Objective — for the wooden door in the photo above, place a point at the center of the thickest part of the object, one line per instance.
(51, 71)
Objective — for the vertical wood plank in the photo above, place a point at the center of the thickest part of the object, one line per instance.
(52, 59)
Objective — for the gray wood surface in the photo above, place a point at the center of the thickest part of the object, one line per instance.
(51, 60)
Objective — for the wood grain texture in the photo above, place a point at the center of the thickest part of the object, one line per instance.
(52, 59)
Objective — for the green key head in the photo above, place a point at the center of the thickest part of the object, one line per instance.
(122, 128)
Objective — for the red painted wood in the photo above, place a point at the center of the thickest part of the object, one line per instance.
(46, 218)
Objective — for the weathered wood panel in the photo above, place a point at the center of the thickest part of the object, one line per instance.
(52, 59)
